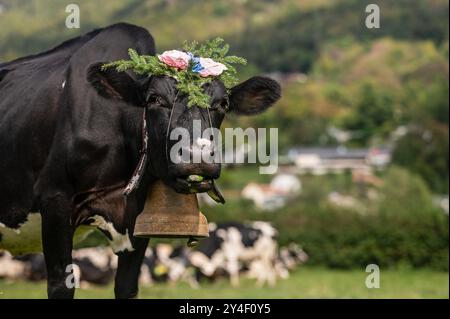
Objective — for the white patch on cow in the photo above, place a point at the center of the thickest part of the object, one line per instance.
(266, 228)
(101, 257)
(233, 249)
(281, 270)
(163, 252)
(176, 269)
(11, 268)
(63, 84)
(120, 242)
(208, 266)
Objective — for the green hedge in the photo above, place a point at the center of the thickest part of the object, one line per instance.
(344, 239)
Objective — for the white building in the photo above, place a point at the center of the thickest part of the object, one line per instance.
(326, 160)
(274, 195)
(286, 183)
(263, 196)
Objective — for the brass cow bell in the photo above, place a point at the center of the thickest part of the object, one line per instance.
(169, 214)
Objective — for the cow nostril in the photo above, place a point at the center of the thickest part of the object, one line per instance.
(212, 153)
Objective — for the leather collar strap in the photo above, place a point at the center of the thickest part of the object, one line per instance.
(135, 180)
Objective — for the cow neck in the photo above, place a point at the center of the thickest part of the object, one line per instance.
(138, 173)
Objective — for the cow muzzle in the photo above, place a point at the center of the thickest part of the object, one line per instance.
(197, 183)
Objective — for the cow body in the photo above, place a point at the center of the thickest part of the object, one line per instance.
(65, 153)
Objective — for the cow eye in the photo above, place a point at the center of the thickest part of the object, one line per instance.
(155, 99)
(223, 104)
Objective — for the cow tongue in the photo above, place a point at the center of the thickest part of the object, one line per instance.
(195, 178)
(215, 194)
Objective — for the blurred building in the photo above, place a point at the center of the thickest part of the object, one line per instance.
(286, 183)
(274, 195)
(326, 160)
(442, 202)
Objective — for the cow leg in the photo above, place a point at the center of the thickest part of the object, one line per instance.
(128, 268)
(232, 267)
(57, 234)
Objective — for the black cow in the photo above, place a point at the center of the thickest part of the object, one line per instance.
(70, 139)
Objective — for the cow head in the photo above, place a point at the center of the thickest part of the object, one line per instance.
(167, 110)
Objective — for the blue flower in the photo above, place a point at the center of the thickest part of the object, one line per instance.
(197, 67)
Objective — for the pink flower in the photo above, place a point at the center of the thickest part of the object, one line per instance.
(175, 58)
(211, 67)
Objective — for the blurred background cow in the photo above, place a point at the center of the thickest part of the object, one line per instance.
(232, 250)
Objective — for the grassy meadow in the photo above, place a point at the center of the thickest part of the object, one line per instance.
(306, 282)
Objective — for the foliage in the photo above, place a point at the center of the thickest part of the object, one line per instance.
(372, 111)
(296, 40)
(425, 148)
(426, 153)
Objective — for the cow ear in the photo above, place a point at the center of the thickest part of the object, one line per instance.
(114, 85)
(254, 95)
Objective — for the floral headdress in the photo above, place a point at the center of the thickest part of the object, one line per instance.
(194, 66)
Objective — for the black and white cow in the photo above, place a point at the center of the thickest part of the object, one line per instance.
(91, 266)
(165, 263)
(288, 259)
(71, 138)
(96, 265)
(10, 268)
(232, 247)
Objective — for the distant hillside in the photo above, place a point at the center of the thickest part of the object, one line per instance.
(31, 26)
(275, 35)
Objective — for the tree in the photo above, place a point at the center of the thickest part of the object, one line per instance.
(374, 110)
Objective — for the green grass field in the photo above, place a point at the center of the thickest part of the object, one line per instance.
(307, 282)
